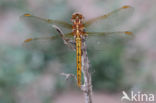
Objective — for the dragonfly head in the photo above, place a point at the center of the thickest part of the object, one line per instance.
(77, 18)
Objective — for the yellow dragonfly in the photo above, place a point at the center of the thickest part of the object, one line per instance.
(80, 29)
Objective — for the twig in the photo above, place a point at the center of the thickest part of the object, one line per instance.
(68, 76)
(87, 86)
(69, 42)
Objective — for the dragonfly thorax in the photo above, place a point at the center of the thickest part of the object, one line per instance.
(78, 26)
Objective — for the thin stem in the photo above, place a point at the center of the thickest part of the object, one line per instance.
(87, 86)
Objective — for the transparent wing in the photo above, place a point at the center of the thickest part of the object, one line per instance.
(108, 21)
(105, 50)
(41, 26)
(44, 36)
(120, 33)
(45, 43)
(49, 21)
(100, 40)
(53, 48)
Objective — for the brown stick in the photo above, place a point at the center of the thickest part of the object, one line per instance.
(87, 86)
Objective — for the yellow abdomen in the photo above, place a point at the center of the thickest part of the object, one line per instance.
(78, 60)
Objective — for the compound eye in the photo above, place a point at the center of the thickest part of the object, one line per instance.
(80, 16)
(73, 16)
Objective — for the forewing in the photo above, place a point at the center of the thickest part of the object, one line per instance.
(42, 26)
(108, 21)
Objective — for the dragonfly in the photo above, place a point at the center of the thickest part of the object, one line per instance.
(79, 27)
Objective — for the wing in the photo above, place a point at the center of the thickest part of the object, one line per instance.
(41, 26)
(45, 42)
(105, 50)
(99, 41)
(49, 21)
(108, 21)
(109, 33)
(44, 33)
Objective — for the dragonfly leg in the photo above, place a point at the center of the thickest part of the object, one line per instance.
(84, 38)
(72, 44)
(69, 42)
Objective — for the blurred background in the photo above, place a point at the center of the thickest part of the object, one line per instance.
(31, 74)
